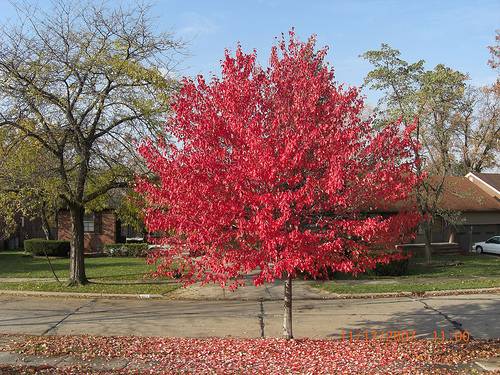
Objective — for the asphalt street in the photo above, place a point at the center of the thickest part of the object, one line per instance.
(479, 315)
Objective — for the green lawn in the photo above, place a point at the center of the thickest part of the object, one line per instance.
(457, 266)
(91, 288)
(106, 274)
(408, 285)
(16, 264)
(446, 272)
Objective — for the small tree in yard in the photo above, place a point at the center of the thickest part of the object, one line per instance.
(274, 170)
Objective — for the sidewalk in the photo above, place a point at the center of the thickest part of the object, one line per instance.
(95, 281)
(302, 290)
(26, 279)
(136, 355)
(69, 364)
(40, 363)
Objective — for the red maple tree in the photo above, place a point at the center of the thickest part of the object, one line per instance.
(275, 170)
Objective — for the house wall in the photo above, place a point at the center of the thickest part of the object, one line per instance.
(105, 230)
(25, 230)
(439, 232)
(475, 227)
(482, 218)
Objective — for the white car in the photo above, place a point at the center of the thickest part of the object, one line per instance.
(491, 245)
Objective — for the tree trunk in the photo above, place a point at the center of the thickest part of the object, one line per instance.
(470, 238)
(287, 316)
(428, 239)
(45, 224)
(46, 232)
(77, 265)
(452, 237)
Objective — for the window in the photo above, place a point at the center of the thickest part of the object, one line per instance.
(495, 240)
(88, 223)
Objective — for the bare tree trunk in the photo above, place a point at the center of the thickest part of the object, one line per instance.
(51, 267)
(46, 231)
(48, 236)
(427, 239)
(452, 237)
(287, 316)
(45, 224)
(77, 265)
(469, 248)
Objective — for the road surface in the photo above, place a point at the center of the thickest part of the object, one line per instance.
(477, 314)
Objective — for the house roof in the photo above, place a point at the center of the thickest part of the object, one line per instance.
(492, 179)
(461, 194)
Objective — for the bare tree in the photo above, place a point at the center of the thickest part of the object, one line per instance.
(86, 82)
(477, 135)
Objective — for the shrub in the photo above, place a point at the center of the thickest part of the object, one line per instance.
(393, 268)
(126, 249)
(40, 246)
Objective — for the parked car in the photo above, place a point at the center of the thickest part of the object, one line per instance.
(491, 245)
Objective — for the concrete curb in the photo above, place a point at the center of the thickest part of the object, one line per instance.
(329, 296)
(462, 291)
(489, 364)
(435, 293)
(326, 296)
(79, 295)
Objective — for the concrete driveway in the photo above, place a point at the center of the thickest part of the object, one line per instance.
(478, 314)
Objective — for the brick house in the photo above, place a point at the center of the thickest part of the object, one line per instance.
(100, 228)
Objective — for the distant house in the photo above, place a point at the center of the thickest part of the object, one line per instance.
(476, 198)
(100, 228)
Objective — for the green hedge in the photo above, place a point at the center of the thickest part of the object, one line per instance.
(127, 249)
(36, 247)
(394, 268)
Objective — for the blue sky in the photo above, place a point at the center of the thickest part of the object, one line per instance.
(454, 33)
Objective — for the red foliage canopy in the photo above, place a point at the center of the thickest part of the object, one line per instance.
(275, 169)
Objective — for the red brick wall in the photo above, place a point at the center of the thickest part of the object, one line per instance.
(94, 242)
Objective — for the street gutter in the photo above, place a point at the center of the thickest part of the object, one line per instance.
(322, 296)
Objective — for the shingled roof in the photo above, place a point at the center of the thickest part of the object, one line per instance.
(460, 194)
(492, 179)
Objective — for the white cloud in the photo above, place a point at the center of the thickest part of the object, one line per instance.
(196, 24)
